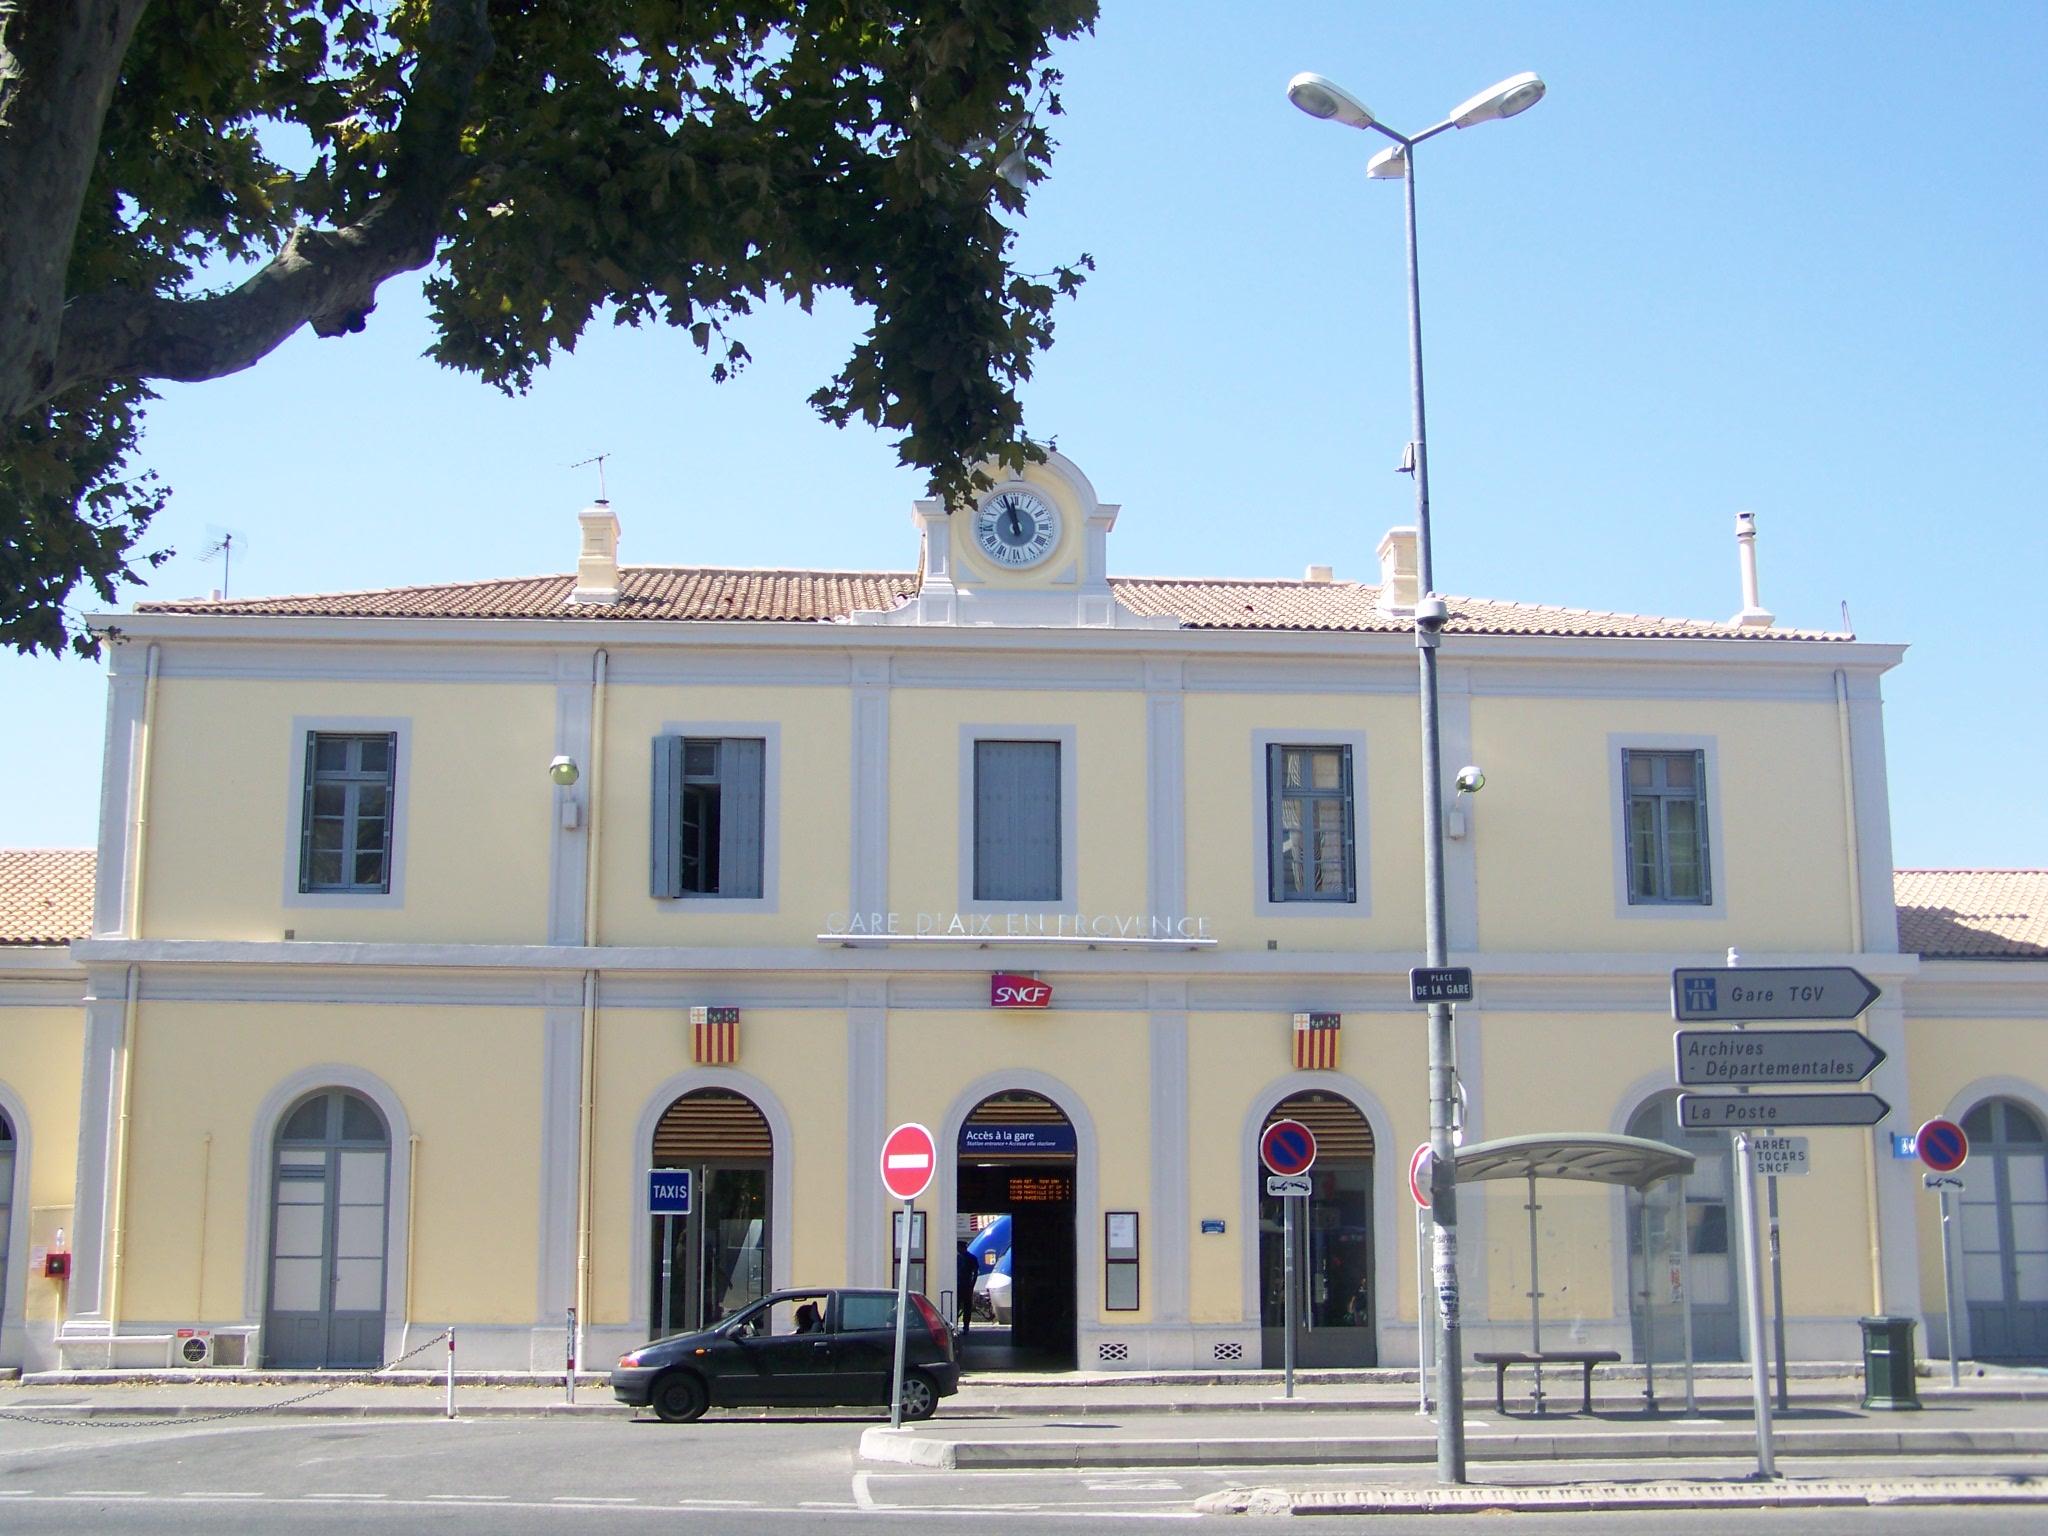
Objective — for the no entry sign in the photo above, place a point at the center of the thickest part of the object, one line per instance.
(909, 1159)
(1420, 1173)
(1942, 1146)
(1288, 1146)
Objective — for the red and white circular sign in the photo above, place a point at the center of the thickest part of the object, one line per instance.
(1420, 1172)
(909, 1160)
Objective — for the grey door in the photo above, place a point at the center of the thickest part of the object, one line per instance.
(329, 1206)
(2005, 1232)
(1709, 1231)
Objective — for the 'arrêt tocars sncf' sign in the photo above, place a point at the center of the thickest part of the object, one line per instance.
(1009, 991)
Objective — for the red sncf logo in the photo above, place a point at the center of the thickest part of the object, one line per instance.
(1007, 991)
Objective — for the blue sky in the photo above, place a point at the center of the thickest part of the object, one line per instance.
(1770, 257)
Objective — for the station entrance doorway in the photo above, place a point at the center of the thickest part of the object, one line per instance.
(712, 1262)
(1016, 1185)
(1333, 1250)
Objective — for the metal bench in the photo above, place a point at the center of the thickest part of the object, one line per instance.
(1501, 1359)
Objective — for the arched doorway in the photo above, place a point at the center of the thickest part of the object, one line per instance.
(1333, 1247)
(715, 1260)
(1699, 1207)
(1015, 1182)
(2005, 1232)
(330, 1206)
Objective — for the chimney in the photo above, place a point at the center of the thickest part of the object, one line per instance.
(1754, 615)
(1319, 574)
(1398, 574)
(597, 566)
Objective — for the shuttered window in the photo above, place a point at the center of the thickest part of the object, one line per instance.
(1017, 821)
(1667, 828)
(708, 797)
(1312, 843)
(345, 829)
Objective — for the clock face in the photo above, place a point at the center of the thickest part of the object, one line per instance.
(1016, 527)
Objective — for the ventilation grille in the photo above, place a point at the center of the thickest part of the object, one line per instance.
(1340, 1130)
(1230, 1351)
(711, 1123)
(1107, 1352)
(1017, 1109)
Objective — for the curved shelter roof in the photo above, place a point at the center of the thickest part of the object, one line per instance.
(1592, 1158)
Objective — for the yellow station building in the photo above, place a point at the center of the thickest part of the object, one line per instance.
(424, 923)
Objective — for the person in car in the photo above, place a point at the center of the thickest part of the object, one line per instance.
(808, 1319)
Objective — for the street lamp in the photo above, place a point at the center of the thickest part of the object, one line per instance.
(1323, 98)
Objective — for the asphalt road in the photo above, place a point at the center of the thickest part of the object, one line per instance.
(510, 1477)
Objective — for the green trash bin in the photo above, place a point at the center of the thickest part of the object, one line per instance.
(1888, 1380)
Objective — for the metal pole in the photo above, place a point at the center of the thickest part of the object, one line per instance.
(1948, 1296)
(668, 1264)
(570, 1375)
(1422, 1308)
(902, 1318)
(1535, 1298)
(1443, 1073)
(1288, 1274)
(451, 1373)
(1692, 1402)
(1753, 1289)
(1777, 1295)
(1649, 1303)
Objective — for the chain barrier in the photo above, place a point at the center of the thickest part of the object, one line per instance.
(30, 1414)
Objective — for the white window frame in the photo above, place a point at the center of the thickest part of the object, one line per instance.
(769, 902)
(1068, 737)
(1619, 745)
(303, 726)
(1263, 904)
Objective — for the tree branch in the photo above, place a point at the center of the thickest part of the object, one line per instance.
(322, 277)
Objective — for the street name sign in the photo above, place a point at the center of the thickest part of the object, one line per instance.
(1780, 1157)
(1280, 1184)
(1760, 994)
(1768, 1111)
(909, 1159)
(1727, 1058)
(1440, 984)
(668, 1191)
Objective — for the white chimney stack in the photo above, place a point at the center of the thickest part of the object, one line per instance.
(1319, 574)
(597, 565)
(1754, 615)
(1399, 571)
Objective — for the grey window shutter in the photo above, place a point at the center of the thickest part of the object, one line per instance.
(1276, 869)
(1350, 833)
(740, 765)
(1017, 821)
(390, 802)
(668, 807)
(1699, 786)
(306, 815)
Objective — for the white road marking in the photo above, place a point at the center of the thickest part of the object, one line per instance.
(217, 1493)
(471, 1498)
(107, 1493)
(343, 1495)
(594, 1498)
(862, 1496)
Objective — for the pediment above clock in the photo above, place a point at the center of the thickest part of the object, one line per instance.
(1031, 552)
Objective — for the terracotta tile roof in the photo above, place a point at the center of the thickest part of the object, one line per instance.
(45, 895)
(1976, 914)
(683, 593)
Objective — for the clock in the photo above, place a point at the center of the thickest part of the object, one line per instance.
(1016, 527)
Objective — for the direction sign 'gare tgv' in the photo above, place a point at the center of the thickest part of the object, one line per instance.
(1758, 994)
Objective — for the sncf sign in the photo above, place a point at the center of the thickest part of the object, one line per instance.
(1008, 991)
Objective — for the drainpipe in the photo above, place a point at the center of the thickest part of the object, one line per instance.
(1856, 946)
(587, 1104)
(132, 924)
(412, 1205)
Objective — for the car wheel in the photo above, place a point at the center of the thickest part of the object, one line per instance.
(678, 1398)
(920, 1397)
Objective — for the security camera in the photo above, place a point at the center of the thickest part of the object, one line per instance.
(1470, 780)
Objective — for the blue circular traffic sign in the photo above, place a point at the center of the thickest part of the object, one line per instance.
(1288, 1147)
(1942, 1145)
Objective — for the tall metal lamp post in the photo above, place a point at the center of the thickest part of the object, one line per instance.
(1323, 98)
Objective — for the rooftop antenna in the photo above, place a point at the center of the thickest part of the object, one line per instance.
(223, 550)
(597, 459)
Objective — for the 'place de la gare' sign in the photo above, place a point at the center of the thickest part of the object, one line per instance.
(1049, 928)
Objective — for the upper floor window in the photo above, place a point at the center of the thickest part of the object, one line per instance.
(1667, 827)
(708, 797)
(1017, 821)
(345, 832)
(1311, 825)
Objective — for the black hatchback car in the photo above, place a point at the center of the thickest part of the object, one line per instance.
(796, 1349)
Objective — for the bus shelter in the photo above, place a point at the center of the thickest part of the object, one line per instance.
(1593, 1158)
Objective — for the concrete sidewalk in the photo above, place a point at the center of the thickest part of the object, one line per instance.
(1687, 1493)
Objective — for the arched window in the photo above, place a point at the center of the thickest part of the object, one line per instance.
(715, 1260)
(1333, 1246)
(330, 1202)
(2005, 1232)
(1705, 1264)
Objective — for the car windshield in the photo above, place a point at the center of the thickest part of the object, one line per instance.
(778, 1316)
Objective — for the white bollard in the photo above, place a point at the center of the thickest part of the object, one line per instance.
(451, 1373)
